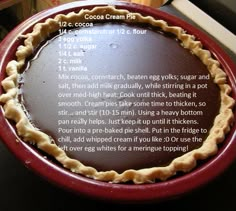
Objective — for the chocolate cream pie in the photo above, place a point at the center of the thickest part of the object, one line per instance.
(117, 96)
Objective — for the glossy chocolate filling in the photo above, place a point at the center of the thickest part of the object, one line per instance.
(120, 52)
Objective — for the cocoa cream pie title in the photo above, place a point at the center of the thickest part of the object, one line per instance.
(110, 16)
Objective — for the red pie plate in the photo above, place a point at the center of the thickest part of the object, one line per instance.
(101, 190)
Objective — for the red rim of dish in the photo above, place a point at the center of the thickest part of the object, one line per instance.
(102, 190)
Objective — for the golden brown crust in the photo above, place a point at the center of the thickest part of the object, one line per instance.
(28, 132)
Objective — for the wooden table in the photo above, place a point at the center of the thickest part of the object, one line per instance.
(24, 4)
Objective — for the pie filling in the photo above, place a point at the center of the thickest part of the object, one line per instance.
(122, 56)
(133, 99)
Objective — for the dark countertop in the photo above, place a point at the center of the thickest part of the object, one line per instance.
(224, 11)
(21, 189)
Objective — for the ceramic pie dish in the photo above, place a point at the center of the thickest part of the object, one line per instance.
(124, 192)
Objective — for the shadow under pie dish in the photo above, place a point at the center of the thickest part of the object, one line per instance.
(97, 98)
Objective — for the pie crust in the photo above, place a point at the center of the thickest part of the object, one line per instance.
(29, 133)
